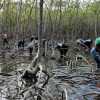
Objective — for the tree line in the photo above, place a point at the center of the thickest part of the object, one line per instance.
(61, 19)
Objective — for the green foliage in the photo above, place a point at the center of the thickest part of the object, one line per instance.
(59, 3)
(72, 17)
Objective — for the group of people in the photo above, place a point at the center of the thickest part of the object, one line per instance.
(88, 44)
(94, 50)
(33, 43)
(62, 47)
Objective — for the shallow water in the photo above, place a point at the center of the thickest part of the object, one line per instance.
(85, 88)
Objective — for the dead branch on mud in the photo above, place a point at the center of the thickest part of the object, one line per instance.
(30, 73)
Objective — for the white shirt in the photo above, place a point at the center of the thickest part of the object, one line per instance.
(80, 41)
(31, 44)
(60, 44)
(5, 36)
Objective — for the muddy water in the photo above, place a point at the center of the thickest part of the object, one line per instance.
(85, 87)
(10, 71)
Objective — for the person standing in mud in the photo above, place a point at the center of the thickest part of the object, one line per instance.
(44, 43)
(95, 52)
(33, 43)
(5, 41)
(30, 46)
(63, 49)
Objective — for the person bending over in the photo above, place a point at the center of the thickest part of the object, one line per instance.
(95, 52)
(88, 44)
(21, 43)
(63, 49)
(80, 42)
(85, 43)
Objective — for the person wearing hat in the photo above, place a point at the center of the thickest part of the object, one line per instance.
(95, 52)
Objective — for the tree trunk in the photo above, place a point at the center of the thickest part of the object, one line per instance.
(37, 60)
(40, 32)
(95, 23)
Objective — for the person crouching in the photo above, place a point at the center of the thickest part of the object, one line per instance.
(21, 43)
(63, 49)
(95, 52)
(88, 44)
(85, 43)
(80, 42)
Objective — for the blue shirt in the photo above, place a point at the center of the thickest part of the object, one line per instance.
(96, 56)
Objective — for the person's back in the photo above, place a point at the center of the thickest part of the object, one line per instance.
(95, 52)
(21, 43)
(88, 43)
(59, 45)
(30, 45)
(80, 42)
